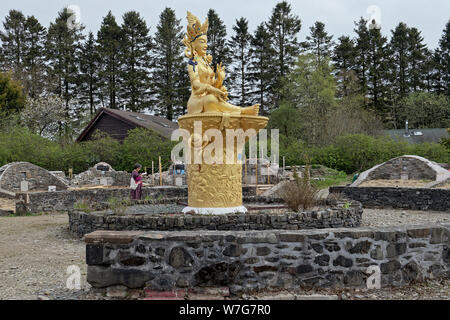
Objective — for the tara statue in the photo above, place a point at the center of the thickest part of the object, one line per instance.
(208, 92)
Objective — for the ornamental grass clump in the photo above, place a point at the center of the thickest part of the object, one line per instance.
(299, 193)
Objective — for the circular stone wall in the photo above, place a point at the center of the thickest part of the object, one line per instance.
(340, 214)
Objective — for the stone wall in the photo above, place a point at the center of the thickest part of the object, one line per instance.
(244, 260)
(38, 178)
(407, 167)
(403, 198)
(93, 176)
(81, 223)
(63, 201)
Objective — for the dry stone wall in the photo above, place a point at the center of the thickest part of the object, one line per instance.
(403, 198)
(81, 223)
(255, 260)
(12, 174)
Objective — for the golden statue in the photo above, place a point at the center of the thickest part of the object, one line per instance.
(208, 92)
(213, 188)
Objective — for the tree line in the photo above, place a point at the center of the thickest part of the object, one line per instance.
(125, 66)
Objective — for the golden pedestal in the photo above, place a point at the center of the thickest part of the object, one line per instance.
(216, 188)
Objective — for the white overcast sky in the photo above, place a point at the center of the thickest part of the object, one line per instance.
(429, 16)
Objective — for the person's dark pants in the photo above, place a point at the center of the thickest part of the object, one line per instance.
(136, 194)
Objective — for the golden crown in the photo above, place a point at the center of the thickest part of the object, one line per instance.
(195, 28)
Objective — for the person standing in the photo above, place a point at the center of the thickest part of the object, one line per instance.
(136, 183)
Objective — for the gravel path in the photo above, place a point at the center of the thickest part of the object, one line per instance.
(35, 252)
(384, 217)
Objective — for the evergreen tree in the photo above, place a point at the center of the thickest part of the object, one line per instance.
(13, 42)
(240, 47)
(362, 55)
(169, 65)
(399, 51)
(62, 50)
(89, 68)
(283, 27)
(217, 43)
(260, 72)
(344, 56)
(443, 67)
(417, 59)
(34, 57)
(109, 38)
(378, 72)
(134, 62)
(318, 42)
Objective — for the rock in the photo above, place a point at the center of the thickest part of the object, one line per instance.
(262, 251)
(180, 258)
(232, 250)
(343, 261)
(117, 291)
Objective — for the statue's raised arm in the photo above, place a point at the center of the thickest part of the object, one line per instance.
(208, 92)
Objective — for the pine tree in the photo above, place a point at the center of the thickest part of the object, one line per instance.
(169, 65)
(283, 27)
(89, 68)
(240, 47)
(109, 38)
(399, 52)
(13, 42)
(34, 57)
(318, 42)
(417, 58)
(378, 72)
(260, 72)
(362, 55)
(134, 62)
(217, 42)
(344, 56)
(443, 67)
(62, 47)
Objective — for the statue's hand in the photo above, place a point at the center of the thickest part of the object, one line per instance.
(220, 75)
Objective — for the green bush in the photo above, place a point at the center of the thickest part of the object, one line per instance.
(356, 152)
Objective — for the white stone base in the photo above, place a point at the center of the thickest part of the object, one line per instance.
(216, 211)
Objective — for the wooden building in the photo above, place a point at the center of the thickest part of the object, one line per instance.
(117, 123)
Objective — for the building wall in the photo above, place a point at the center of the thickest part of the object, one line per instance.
(112, 126)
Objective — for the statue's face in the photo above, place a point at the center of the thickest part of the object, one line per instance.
(200, 45)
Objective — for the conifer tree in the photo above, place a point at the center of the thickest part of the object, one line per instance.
(283, 27)
(399, 52)
(217, 41)
(169, 65)
(62, 47)
(443, 65)
(362, 55)
(13, 42)
(134, 62)
(318, 42)
(89, 73)
(260, 73)
(378, 69)
(109, 38)
(417, 59)
(34, 57)
(240, 47)
(344, 56)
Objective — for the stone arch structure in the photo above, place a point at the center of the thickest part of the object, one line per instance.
(39, 179)
(407, 167)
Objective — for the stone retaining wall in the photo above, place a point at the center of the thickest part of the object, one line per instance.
(81, 223)
(63, 201)
(404, 198)
(255, 260)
